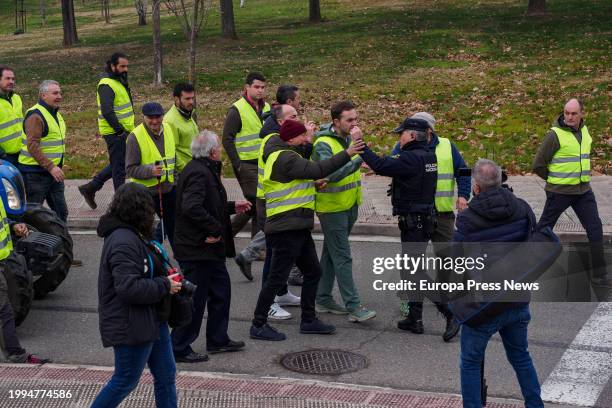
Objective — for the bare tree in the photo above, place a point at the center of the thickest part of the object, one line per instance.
(536, 6)
(228, 26)
(157, 45)
(141, 9)
(191, 17)
(43, 12)
(314, 7)
(106, 10)
(69, 23)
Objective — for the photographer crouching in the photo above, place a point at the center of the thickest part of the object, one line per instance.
(203, 239)
(134, 291)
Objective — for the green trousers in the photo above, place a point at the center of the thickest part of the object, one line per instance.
(336, 260)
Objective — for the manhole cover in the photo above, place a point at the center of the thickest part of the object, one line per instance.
(325, 362)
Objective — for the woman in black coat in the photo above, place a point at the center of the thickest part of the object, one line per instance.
(134, 292)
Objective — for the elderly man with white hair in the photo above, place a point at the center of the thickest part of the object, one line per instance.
(203, 239)
(43, 148)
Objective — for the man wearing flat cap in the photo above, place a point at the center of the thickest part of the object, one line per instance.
(151, 160)
(289, 191)
(414, 171)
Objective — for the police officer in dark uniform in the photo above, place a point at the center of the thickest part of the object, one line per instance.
(414, 171)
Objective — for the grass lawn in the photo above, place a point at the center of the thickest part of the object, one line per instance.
(494, 78)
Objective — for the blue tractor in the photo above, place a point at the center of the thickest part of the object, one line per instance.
(41, 261)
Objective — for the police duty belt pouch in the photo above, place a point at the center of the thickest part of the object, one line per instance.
(507, 278)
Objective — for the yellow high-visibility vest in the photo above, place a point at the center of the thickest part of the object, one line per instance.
(6, 244)
(571, 164)
(53, 145)
(122, 105)
(283, 197)
(445, 186)
(247, 140)
(339, 195)
(149, 154)
(261, 166)
(11, 124)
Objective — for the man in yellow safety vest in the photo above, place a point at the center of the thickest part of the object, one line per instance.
(115, 122)
(11, 116)
(563, 160)
(241, 142)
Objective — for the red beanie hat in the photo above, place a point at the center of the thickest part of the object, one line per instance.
(290, 129)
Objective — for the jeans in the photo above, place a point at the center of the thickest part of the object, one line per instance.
(336, 260)
(168, 219)
(115, 144)
(129, 363)
(214, 291)
(512, 327)
(258, 243)
(41, 186)
(9, 341)
(287, 248)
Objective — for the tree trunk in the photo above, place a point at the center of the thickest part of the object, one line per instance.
(141, 9)
(193, 35)
(315, 11)
(228, 27)
(43, 12)
(106, 10)
(69, 23)
(536, 6)
(157, 45)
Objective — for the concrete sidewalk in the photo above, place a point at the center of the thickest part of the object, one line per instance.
(375, 212)
(80, 384)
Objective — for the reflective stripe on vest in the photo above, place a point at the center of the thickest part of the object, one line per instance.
(260, 166)
(247, 140)
(6, 244)
(149, 154)
(283, 197)
(122, 105)
(11, 118)
(570, 164)
(445, 186)
(52, 145)
(340, 195)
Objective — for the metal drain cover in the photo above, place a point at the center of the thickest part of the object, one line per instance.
(324, 362)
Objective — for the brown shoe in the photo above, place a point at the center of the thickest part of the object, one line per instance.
(76, 263)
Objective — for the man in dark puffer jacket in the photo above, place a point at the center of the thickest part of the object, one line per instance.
(496, 215)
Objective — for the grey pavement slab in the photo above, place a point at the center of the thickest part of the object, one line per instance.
(375, 212)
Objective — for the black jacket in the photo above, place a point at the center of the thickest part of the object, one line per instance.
(202, 211)
(270, 125)
(129, 297)
(295, 164)
(494, 216)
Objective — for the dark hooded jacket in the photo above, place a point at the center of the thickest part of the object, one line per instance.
(202, 211)
(295, 164)
(131, 287)
(270, 125)
(495, 215)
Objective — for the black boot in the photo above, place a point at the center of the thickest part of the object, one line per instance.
(411, 324)
(452, 329)
(88, 191)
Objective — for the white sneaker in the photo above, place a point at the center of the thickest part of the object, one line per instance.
(278, 313)
(288, 299)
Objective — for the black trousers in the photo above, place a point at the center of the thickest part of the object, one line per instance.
(290, 248)
(214, 291)
(247, 177)
(115, 145)
(414, 244)
(169, 208)
(585, 207)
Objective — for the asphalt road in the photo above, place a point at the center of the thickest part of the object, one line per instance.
(64, 327)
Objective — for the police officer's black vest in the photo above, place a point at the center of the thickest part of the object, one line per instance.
(416, 194)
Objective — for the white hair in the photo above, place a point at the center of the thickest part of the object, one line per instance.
(44, 86)
(487, 174)
(203, 144)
